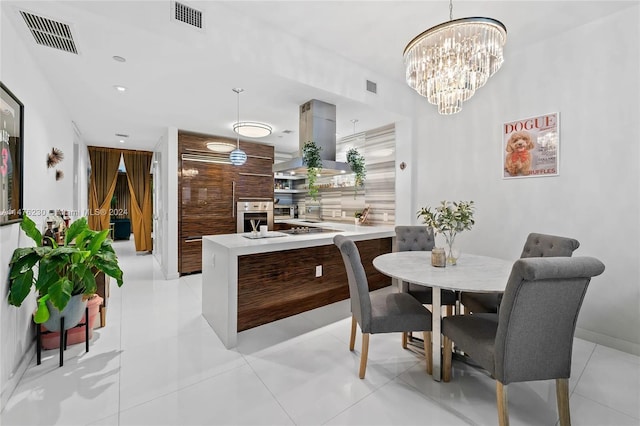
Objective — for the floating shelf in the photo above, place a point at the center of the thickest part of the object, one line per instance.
(290, 191)
(286, 177)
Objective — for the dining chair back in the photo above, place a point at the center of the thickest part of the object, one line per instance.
(544, 245)
(421, 238)
(537, 245)
(379, 312)
(532, 338)
(414, 238)
(358, 282)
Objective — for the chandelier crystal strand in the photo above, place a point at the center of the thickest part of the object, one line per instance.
(449, 62)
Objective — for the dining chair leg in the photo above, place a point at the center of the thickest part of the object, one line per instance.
(364, 354)
(446, 359)
(503, 411)
(428, 351)
(562, 396)
(352, 340)
(449, 310)
(404, 340)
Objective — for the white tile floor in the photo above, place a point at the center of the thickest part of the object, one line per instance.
(157, 362)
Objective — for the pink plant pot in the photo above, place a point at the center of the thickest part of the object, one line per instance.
(74, 335)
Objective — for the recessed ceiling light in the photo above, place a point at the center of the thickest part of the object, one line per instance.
(121, 140)
(119, 59)
(120, 88)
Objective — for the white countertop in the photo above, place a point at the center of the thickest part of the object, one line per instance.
(238, 245)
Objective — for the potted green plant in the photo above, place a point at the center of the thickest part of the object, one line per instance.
(311, 158)
(65, 273)
(448, 219)
(356, 162)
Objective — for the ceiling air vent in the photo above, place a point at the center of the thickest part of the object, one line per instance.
(186, 14)
(50, 33)
(372, 87)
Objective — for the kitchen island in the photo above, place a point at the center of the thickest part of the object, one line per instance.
(247, 282)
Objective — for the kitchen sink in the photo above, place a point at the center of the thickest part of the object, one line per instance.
(305, 230)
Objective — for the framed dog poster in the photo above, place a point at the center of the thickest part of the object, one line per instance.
(531, 147)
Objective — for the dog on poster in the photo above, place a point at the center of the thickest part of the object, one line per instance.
(518, 160)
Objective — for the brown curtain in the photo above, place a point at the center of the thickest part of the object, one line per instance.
(121, 208)
(102, 183)
(138, 165)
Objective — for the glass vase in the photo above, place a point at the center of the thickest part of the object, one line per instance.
(452, 251)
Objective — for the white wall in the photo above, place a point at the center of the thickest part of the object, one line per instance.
(405, 179)
(46, 125)
(166, 203)
(590, 76)
(81, 176)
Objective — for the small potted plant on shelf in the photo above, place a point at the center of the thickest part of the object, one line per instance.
(357, 215)
(448, 219)
(66, 272)
(311, 158)
(356, 162)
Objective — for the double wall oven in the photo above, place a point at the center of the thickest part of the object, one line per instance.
(254, 210)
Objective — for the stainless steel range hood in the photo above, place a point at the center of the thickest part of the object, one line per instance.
(317, 124)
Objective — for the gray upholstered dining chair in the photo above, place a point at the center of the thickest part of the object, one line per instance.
(537, 245)
(532, 337)
(380, 313)
(421, 238)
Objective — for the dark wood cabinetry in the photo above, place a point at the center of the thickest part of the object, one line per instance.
(255, 178)
(209, 188)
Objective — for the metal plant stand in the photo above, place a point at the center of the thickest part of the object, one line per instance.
(63, 337)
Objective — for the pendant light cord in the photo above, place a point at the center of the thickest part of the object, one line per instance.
(238, 157)
(451, 10)
(238, 119)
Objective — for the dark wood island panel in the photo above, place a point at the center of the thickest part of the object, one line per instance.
(276, 285)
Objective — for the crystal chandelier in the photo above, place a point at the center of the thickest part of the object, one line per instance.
(238, 157)
(449, 62)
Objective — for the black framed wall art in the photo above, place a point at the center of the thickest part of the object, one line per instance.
(11, 156)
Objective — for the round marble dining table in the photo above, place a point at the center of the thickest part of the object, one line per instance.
(472, 273)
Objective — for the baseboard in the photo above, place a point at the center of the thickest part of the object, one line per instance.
(611, 342)
(10, 385)
(167, 275)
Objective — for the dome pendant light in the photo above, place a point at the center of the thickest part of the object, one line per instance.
(238, 157)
